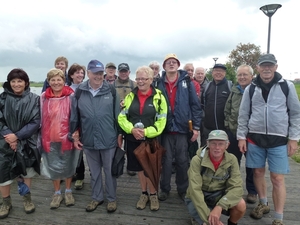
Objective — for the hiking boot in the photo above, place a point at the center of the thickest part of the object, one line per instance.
(69, 199)
(5, 207)
(251, 198)
(56, 200)
(154, 203)
(93, 205)
(277, 222)
(163, 196)
(28, 205)
(131, 173)
(79, 184)
(259, 210)
(111, 206)
(141, 204)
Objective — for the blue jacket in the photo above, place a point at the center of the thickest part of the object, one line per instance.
(187, 104)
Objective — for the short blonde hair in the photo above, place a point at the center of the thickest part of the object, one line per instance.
(147, 70)
(55, 72)
(62, 58)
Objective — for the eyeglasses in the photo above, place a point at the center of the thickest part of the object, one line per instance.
(171, 62)
(243, 75)
(141, 79)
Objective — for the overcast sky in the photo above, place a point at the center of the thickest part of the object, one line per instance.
(33, 32)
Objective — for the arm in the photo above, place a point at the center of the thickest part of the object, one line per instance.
(123, 122)
(244, 116)
(227, 111)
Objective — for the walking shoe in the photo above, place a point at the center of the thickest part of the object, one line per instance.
(69, 199)
(131, 173)
(251, 198)
(154, 203)
(163, 196)
(28, 205)
(79, 184)
(111, 206)
(141, 204)
(93, 205)
(259, 210)
(56, 200)
(5, 207)
(277, 222)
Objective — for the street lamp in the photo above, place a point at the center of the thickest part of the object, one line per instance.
(269, 10)
(215, 59)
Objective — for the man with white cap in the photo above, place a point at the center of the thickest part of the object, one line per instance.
(215, 183)
(183, 106)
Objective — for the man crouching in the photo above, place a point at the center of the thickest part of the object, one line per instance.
(215, 183)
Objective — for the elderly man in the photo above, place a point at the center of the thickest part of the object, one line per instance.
(94, 112)
(200, 77)
(268, 129)
(184, 106)
(215, 183)
(110, 72)
(189, 68)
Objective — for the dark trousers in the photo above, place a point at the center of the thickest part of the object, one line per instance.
(80, 169)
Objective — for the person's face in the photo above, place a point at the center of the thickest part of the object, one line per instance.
(57, 83)
(18, 86)
(110, 71)
(171, 65)
(217, 148)
(61, 65)
(190, 70)
(218, 74)
(155, 69)
(244, 77)
(124, 74)
(199, 75)
(96, 79)
(143, 81)
(78, 76)
(267, 71)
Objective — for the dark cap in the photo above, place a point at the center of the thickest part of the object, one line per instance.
(219, 65)
(110, 64)
(95, 66)
(267, 58)
(123, 66)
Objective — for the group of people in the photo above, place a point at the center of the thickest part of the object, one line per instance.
(258, 117)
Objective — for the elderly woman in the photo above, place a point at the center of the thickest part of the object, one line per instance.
(140, 121)
(19, 124)
(58, 154)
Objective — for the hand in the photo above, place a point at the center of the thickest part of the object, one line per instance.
(138, 133)
(195, 135)
(292, 147)
(120, 140)
(75, 135)
(242, 145)
(13, 145)
(10, 138)
(78, 145)
(121, 104)
(214, 216)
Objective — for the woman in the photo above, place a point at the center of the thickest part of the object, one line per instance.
(58, 155)
(76, 75)
(19, 124)
(140, 122)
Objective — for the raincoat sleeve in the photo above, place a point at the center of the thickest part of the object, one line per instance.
(195, 188)
(161, 117)
(3, 127)
(74, 118)
(123, 122)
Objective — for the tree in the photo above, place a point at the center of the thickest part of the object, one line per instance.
(245, 54)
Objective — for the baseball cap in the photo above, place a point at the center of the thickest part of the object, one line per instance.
(270, 58)
(171, 56)
(217, 135)
(95, 66)
(123, 66)
(110, 64)
(219, 65)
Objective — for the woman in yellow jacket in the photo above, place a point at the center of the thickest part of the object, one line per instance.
(143, 117)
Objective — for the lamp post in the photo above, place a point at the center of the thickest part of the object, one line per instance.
(269, 11)
(215, 59)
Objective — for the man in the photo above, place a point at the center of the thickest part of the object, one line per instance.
(189, 68)
(244, 78)
(213, 100)
(200, 77)
(124, 85)
(268, 128)
(94, 113)
(110, 72)
(154, 65)
(215, 171)
(183, 105)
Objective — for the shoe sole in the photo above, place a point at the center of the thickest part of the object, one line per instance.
(30, 211)
(111, 211)
(91, 210)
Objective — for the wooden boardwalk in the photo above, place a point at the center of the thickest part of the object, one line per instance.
(171, 212)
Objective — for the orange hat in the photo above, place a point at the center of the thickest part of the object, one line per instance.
(171, 56)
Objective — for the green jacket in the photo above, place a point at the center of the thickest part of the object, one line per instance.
(231, 109)
(233, 185)
(161, 117)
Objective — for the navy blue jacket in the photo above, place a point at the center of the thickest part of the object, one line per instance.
(187, 104)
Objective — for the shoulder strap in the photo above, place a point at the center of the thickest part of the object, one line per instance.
(284, 87)
(204, 93)
(113, 92)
